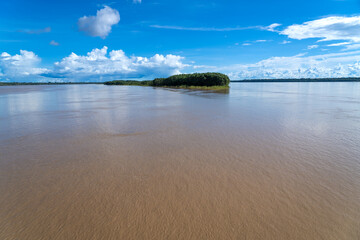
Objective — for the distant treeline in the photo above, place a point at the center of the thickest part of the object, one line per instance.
(352, 79)
(189, 80)
(130, 83)
(186, 80)
(195, 79)
(44, 83)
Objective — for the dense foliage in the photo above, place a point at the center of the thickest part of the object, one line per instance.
(189, 80)
(129, 82)
(195, 79)
(349, 79)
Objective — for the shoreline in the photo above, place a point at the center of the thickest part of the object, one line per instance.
(320, 80)
(298, 80)
(173, 87)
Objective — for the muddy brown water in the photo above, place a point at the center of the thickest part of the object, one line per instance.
(264, 161)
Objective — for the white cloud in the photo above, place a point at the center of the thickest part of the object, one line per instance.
(261, 41)
(249, 43)
(20, 66)
(101, 24)
(285, 42)
(326, 29)
(36, 31)
(338, 44)
(345, 64)
(272, 27)
(54, 43)
(97, 65)
(101, 65)
(352, 46)
(136, 1)
(312, 47)
(205, 29)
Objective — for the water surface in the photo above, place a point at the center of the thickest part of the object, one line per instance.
(265, 161)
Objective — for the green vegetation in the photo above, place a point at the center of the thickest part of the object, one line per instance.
(210, 81)
(353, 79)
(201, 87)
(195, 79)
(206, 81)
(129, 83)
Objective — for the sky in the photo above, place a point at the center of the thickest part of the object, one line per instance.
(100, 40)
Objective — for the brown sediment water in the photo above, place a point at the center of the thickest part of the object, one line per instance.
(265, 161)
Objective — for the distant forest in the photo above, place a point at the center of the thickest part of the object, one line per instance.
(44, 83)
(183, 79)
(352, 79)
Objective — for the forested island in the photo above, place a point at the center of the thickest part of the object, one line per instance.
(194, 80)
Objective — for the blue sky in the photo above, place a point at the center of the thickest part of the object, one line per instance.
(97, 40)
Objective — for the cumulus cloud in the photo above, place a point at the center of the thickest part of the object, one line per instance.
(20, 66)
(102, 65)
(101, 24)
(136, 1)
(326, 29)
(345, 64)
(99, 64)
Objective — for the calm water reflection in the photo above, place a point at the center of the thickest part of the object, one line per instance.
(264, 161)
